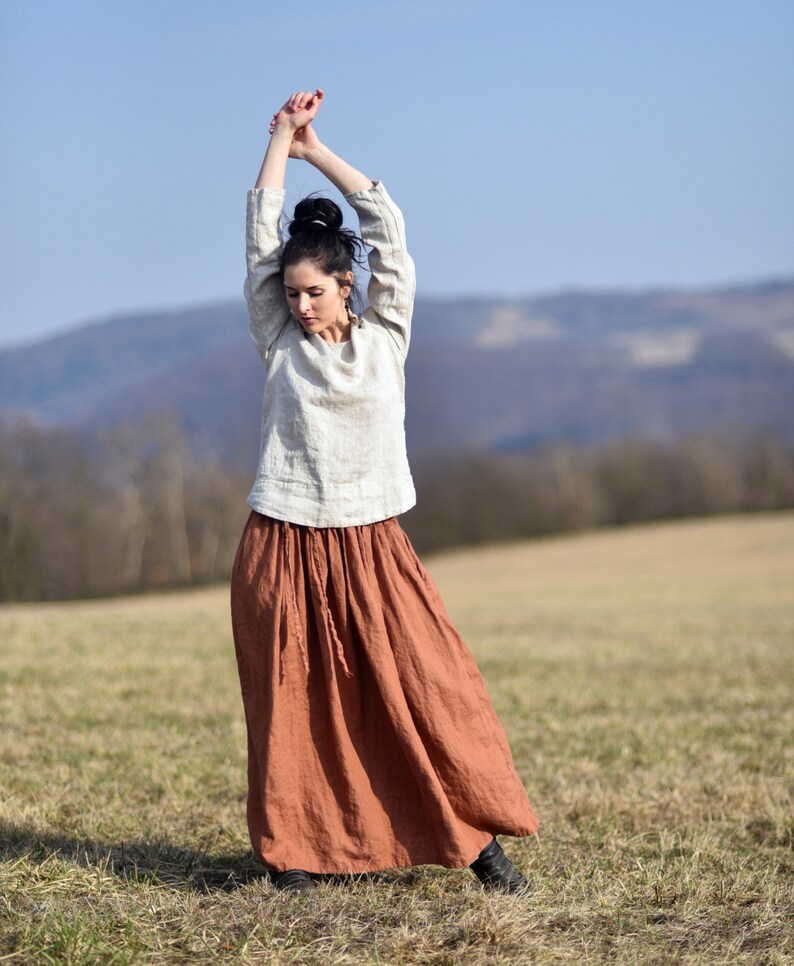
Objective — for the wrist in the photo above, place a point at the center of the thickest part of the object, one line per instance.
(282, 130)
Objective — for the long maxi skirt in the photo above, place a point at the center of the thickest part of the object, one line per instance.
(372, 741)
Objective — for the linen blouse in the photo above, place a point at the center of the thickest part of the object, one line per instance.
(332, 450)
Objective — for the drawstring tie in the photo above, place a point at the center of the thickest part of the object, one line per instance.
(325, 607)
(294, 600)
(316, 584)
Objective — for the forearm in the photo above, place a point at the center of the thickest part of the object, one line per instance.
(343, 175)
(274, 166)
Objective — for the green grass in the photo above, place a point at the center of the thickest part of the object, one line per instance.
(644, 677)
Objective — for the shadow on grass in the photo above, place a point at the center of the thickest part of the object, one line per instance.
(159, 862)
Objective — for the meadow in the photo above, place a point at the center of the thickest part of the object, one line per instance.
(644, 677)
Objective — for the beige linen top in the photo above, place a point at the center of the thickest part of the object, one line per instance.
(332, 450)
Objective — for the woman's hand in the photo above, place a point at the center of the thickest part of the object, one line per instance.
(296, 115)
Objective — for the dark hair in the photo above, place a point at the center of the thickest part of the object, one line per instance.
(316, 235)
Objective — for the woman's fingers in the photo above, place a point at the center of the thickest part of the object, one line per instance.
(299, 101)
(317, 98)
(314, 102)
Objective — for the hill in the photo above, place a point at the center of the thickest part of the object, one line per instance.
(499, 374)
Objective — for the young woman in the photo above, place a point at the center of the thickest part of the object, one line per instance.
(372, 741)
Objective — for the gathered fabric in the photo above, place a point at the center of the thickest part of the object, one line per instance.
(372, 740)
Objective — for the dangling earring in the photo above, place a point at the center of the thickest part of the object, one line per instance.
(351, 316)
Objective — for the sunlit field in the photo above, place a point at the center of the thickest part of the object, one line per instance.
(644, 676)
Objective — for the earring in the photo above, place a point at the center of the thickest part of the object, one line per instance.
(352, 317)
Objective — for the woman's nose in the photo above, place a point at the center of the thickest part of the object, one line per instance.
(304, 304)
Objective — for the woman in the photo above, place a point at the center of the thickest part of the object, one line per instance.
(372, 742)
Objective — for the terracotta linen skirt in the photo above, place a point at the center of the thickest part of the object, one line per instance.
(372, 741)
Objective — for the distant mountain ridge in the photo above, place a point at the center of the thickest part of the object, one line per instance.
(496, 373)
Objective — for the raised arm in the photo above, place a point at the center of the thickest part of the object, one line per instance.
(264, 292)
(392, 284)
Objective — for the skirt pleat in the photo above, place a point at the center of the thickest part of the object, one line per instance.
(372, 740)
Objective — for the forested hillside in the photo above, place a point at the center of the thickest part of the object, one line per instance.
(581, 366)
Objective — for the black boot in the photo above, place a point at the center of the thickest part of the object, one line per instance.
(294, 880)
(493, 868)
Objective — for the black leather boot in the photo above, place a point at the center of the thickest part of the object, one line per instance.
(294, 880)
(493, 868)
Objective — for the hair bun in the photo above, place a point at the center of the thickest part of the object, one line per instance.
(315, 214)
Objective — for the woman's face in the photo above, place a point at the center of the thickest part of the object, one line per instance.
(317, 301)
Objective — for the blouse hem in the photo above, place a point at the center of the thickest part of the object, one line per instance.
(287, 516)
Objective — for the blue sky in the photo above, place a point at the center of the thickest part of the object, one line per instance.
(532, 146)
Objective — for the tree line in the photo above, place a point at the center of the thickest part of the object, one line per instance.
(132, 508)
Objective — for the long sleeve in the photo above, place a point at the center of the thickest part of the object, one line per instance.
(392, 285)
(264, 291)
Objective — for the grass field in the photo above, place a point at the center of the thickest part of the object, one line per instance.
(644, 677)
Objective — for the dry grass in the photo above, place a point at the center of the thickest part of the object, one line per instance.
(644, 677)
